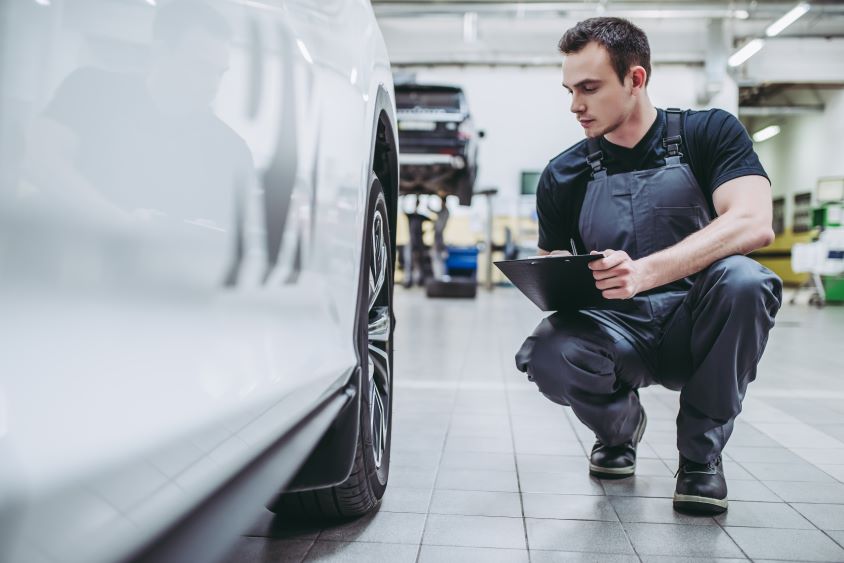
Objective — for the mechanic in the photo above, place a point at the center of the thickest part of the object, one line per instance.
(674, 200)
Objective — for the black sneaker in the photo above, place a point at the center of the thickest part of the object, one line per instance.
(617, 462)
(701, 487)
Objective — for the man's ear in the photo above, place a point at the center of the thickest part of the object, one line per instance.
(638, 76)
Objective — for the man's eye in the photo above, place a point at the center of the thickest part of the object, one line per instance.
(586, 89)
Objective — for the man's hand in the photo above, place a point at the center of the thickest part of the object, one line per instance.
(617, 275)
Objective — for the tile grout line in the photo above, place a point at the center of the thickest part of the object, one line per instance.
(606, 496)
(436, 477)
(310, 548)
(515, 458)
(518, 477)
(837, 542)
(732, 539)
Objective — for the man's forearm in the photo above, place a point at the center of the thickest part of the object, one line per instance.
(728, 235)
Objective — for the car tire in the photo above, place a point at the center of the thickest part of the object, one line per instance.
(363, 489)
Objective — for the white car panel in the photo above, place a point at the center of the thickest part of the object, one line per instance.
(156, 335)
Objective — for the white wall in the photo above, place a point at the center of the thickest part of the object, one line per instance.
(808, 147)
(525, 112)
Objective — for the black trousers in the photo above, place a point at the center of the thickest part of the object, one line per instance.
(708, 348)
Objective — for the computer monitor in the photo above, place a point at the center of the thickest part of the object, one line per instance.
(530, 181)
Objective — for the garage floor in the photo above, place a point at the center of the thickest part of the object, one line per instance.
(486, 469)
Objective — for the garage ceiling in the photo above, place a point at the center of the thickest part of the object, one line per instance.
(824, 20)
(810, 52)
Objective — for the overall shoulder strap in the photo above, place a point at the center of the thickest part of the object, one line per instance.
(673, 140)
(595, 158)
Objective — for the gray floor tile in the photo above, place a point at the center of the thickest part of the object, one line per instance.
(653, 468)
(568, 507)
(673, 559)
(420, 460)
(787, 472)
(654, 511)
(821, 455)
(477, 480)
(679, 540)
(478, 460)
(412, 478)
(540, 556)
(795, 545)
(250, 550)
(476, 503)
(355, 552)
(577, 535)
(745, 435)
(552, 463)
(750, 491)
(834, 471)
(763, 515)
(791, 491)
(405, 499)
(474, 531)
(824, 516)
(548, 447)
(452, 554)
(559, 483)
(762, 455)
(642, 486)
(384, 527)
(465, 444)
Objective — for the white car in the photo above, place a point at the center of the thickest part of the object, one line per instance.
(197, 243)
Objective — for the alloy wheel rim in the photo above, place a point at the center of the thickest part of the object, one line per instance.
(378, 338)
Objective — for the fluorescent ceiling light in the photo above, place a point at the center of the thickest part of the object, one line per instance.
(470, 27)
(746, 52)
(766, 133)
(792, 16)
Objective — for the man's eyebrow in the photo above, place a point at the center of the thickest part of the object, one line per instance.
(583, 83)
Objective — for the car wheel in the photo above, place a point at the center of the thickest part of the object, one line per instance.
(362, 490)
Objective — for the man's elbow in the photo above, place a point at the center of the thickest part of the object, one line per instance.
(760, 236)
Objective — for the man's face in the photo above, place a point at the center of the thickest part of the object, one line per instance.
(598, 99)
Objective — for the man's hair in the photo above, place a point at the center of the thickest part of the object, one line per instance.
(174, 19)
(626, 43)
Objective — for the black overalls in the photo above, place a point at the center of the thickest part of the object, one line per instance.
(702, 335)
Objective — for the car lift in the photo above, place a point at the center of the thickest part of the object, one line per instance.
(430, 270)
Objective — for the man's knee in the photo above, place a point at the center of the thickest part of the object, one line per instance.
(742, 280)
(560, 364)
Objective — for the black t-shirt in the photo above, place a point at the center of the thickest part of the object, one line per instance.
(715, 145)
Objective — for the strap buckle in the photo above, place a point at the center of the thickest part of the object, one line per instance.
(595, 160)
(673, 145)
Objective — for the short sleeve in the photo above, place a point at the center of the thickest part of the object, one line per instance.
(554, 233)
(725, 150)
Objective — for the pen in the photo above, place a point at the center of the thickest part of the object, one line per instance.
(573, 248)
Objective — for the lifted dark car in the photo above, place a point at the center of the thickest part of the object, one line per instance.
(438, 140)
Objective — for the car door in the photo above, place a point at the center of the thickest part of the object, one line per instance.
(167, 276)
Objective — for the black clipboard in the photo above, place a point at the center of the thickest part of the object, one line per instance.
(555, 283)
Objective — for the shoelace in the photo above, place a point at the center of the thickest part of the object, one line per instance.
(692, 467)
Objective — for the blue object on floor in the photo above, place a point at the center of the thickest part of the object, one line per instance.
(462, 261)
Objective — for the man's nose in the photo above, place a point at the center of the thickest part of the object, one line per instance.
(576, 104)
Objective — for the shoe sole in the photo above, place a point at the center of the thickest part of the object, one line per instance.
(619, 472)
(699, 505)
(611, 472)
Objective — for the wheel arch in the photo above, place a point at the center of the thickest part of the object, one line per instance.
(331, 461)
